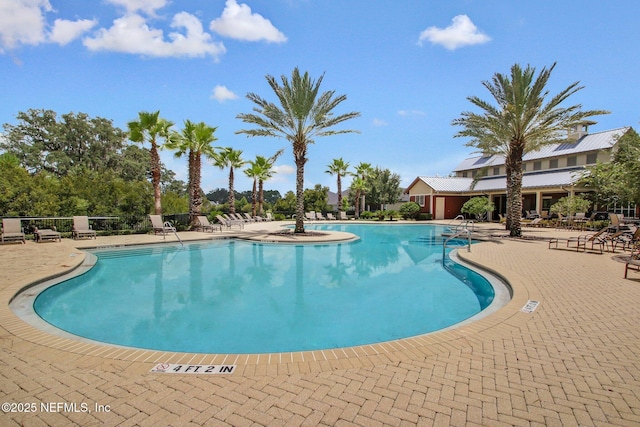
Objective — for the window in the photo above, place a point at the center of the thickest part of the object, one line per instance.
(464, 174)
(537, 165)
(572, 160)
(419, 199)
(524, 167)
(553, 164)
(592, 158)
(496, 171)
(473, 173)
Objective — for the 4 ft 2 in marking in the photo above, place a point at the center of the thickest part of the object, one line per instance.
(176, 368)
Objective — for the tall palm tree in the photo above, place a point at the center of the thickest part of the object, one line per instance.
(358, 187)
(363, 171)
(232, 159)
(254, 171)
(522, 121)
(267, 165)
(195, 140)
(260, 170)
(149, 127)
(339, 168)
(303, 114)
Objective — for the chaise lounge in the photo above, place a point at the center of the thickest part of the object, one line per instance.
(161, 227)
(12, 230)
(81, 228)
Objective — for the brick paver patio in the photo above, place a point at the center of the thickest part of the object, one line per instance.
(574, 361)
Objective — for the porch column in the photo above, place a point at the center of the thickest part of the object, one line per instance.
(539, 202)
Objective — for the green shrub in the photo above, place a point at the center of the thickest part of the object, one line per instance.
(409, 210)
(424, 217)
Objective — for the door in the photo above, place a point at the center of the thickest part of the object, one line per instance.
(439, 208)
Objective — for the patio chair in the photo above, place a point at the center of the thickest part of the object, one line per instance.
(12, 230)
(81, 228)
(249, 218)
(41, 235)
(205, 225)
(228, 222)
(330, 216)
(537, 222)
(319, 216)
(269, 217)
(342, 216)
(160, 226)
(311, 216)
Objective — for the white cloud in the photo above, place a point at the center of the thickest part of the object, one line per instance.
(64, 32)
(131, 34)
(284, 169)
(23, 22)
(221, 94)
(147, 6)
(238, 22)
(407, 113)
(379, 122)
(461, 32)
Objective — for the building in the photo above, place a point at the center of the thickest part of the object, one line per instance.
(549, 174)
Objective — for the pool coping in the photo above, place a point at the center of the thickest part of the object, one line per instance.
(273, 363)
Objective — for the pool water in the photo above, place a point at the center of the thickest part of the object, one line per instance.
(234, 296)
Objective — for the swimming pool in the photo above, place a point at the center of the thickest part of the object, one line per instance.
(234, 296)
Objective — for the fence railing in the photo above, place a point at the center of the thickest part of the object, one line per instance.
(103, 225)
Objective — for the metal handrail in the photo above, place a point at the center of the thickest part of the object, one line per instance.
(459, 233)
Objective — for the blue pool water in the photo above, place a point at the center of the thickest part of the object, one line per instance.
(234, 296)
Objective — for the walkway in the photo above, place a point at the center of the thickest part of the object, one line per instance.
(575, 360)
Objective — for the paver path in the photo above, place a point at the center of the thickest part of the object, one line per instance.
(574, 361)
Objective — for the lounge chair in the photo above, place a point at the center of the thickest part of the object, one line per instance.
(632, 264)
(330, 216)
(628, 241)
(12, 230)
(205, 225)
(342, 216)
(319, 216)
(311, 216)
(535, 223)
(40, 235)
(268, 217)
(228, 222)
(249, 219)
(160, 226)
(81, 228)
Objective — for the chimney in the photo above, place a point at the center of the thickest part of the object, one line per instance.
(577, 131)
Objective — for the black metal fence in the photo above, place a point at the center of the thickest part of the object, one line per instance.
(103, 225)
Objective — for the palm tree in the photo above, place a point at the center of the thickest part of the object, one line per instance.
(303, 115)
(261, 169)
(358, 187)
(149, 127)
(267, 165)
(339, 168)
(522, 121)
(254, 171)
(363, 171)
(195, 139)
(229, 158)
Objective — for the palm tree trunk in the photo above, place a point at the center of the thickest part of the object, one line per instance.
(155, 178)
(232, 197)
(514, 190)
(254, 197)
(196, 196)
(299, 195)
(339, 194)
(260, 197)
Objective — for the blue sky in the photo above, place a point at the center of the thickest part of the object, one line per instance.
(407, 66)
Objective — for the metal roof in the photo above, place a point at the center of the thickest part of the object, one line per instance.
(530, 180)
(444, 184)
(590, 142)
(533, 180)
